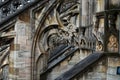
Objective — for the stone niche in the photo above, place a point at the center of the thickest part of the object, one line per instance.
(113, 33)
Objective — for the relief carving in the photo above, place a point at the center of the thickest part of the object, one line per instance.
(59, 28)
(99, 46)
(112, 44)
(98, 31)
(63, 21)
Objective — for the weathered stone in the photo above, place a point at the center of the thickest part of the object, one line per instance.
(113, 62)
(55, 23)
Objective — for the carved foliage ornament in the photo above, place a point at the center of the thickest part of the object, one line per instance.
(11, 7)
(65, 30)
(58, 26)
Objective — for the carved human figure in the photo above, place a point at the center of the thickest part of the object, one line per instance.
(112, 44)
